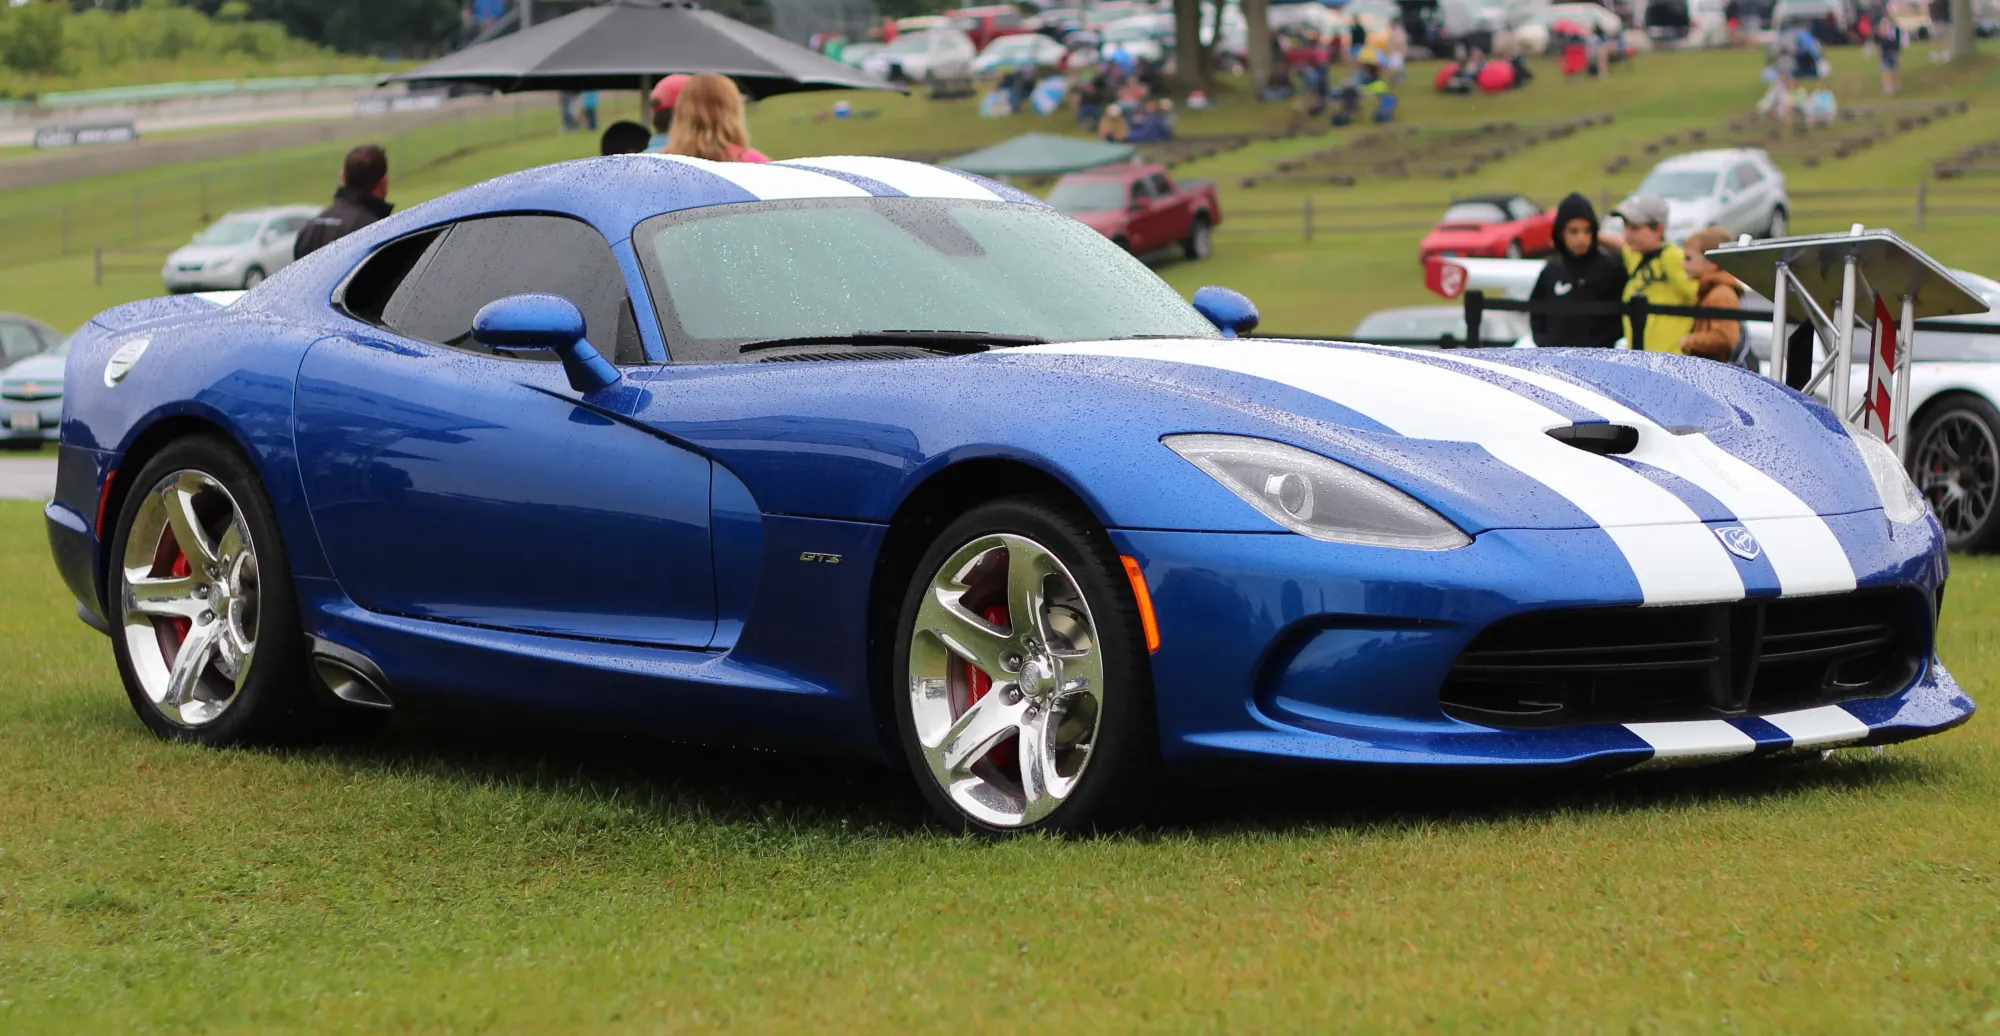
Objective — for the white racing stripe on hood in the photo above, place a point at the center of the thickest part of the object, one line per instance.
(1674, 557)
(1803, 550)
(770, 181)
(912, 178)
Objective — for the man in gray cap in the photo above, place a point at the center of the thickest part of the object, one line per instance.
(1655, 269)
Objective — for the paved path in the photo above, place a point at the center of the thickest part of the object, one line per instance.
(27, 478)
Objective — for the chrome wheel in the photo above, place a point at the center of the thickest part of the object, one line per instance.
(1006, 680)
(1513, 249)
(188, 594)
(1957, 468)
(1198, 240)
(254, 277)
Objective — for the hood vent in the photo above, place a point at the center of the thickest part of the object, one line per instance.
(852, 354)
(1598, 438)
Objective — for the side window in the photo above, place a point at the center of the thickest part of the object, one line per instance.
(1140, 191)
(289, 224)
(431, 289)
(1522, 208)
(1161, 186)
(1748, 176)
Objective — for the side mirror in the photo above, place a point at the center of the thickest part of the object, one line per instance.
(1230, 311)
(524, 322)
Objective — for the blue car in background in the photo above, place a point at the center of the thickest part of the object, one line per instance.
(862, 457)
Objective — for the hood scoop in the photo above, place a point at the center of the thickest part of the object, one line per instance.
(1601, 439)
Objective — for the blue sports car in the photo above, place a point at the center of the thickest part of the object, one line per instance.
(866, 457)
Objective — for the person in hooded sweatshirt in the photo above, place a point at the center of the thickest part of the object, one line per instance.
(1580, 270)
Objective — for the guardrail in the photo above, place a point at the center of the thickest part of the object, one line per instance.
(122, 260)
(204, 88)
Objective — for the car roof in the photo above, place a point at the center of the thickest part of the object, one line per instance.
(648, 185)
(1715, 158)
(1493, 199)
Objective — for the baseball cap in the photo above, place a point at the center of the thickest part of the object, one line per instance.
(1643, 209)
(667, 92)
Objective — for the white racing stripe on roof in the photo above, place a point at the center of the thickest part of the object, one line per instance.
(772, 181)
(912, 178)
(1674, 558)
(1692, 741)
(1802, 549)
(1819, 728)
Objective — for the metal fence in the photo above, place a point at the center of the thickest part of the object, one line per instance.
(169, 208)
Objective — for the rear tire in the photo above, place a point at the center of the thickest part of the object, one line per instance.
(1955, 462)
(1197, 245)
(1047, 723)
(229, 600)
(1513, 249)
(1780, 223)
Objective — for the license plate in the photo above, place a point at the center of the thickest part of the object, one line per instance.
(25, 420)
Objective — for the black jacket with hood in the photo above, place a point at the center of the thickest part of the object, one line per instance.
(1595, 276)
(351, 210)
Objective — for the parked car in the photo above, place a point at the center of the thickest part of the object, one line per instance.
(1440, 326)
(1141, 209)
(1147, 37)
(854, 55)
(1688, 23)
(929, 56)
(31, 391)
(1508, 225)
(1737, 188)
(988, 23)
(975, 495)
(1824, 18)
(1027, 50)
(1542, 33)
(22, 337)
(237, 251)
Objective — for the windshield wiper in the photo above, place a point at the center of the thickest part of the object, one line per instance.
(956, 343)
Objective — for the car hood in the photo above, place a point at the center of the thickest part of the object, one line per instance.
(1692, 215)
(1462, 232)
(46, 367)
(206, 254)
(1465, 432)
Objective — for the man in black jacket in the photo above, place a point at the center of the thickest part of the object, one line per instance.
(357, 202)
(1580, 270)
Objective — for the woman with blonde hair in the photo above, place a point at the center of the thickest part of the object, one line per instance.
(709, 123)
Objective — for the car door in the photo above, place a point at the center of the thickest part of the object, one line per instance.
(1533, 227)
(451, 483)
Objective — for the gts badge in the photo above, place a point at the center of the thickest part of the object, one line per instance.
(814, 557)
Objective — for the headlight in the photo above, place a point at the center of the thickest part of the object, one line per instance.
(1900, 499)
(1317, 497)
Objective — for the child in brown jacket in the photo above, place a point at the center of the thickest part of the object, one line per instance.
(1714, 339)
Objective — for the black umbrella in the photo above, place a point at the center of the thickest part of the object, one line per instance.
(627, 43)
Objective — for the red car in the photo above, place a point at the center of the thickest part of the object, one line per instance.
(989, 23)
(1141, 208)
(1497, 225)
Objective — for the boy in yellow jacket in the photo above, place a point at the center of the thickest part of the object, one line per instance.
(1655, 269)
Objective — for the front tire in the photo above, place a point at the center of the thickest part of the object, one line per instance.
(1513, 249)
(1955, 462)
(253, 277)
(1024, 692)
(207, 631)
(1198, 245)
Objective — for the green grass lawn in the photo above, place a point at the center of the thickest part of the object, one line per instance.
(479, 882)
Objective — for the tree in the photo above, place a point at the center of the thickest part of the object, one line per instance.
(1258, 42)
(1962, 31)
(1190, 58)
(31, 38)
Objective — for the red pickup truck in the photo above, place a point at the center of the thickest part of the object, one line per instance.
(1141, 208)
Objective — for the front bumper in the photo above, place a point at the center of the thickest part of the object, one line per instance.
(30, 421)
(1277, 649)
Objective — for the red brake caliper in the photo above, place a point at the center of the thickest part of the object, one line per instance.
(1005, 754)
(180, 625)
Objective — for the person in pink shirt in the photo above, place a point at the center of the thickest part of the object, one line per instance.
(709, 122)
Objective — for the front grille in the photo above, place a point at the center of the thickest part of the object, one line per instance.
(1626, 665)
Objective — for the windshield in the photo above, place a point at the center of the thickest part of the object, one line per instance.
(1088, 195)
(230, 230)
(1679, 184)
(914, 43)
(1474, 212)
(730, 274)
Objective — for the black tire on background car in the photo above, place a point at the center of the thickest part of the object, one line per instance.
(1021, 683)
(1954, 459)
(1121, 242)
(205, 623)
(1780, 225)
(1197, 244)
(1514, 249)
(253, 277)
